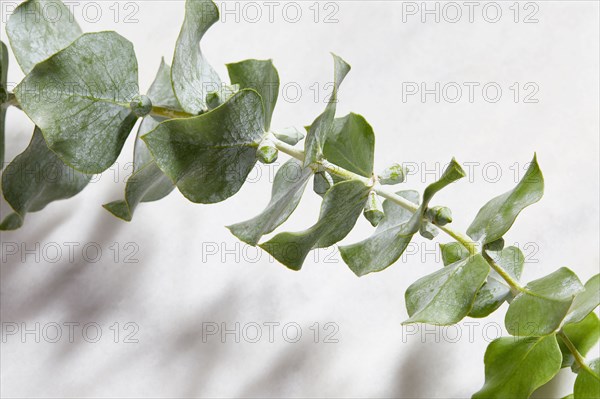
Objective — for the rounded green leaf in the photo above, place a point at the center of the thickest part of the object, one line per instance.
(587, 384)
(35, 35)
(515, 367)
(79, 98)
(209, 156)
(261, 76)
(586, 301)
(542, 306)
(446, 296)
(351, 144)
(35, 178)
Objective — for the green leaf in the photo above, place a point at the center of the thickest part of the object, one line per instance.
(80, 97)
(35, 178)
(498, 215)
(288, 187)
(289, 135)
(453, 252)
(322, 127)
(3, 97)
(387, 243)
(39, 28)
(209, 156)
(583, 334)
(515, 367)
(446, 296)
(342, 206)
(192, 76)
(395, 231)
(260, 76)
(587, 384)
(586, 301)
(351, 144)
(494, 292)
(543, 304)
(147, 183)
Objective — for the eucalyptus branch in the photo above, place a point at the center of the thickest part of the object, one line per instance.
(195, 130)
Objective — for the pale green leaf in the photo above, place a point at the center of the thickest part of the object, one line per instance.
(147, 183)
(395, 232)
(587, 384)
(351, 144)
(446, 296)
(209, 156)
(3, 97)
(288, 187)
(543, 304)
(583, 334)
(515, 367)
(498, 215)
(495, 291)
(39, 28)
(289, 135)
(586, 301)
(453, 252)
(342, 206)
(323, 125)
(387, 243)
(79, 97)
(192, 76)
(35, 178)
(261, 76)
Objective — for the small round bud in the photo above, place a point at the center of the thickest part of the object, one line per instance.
(428, 230)
(439, 215)
(267, 152)
(322, 182)
(141, 105)
(393, 175)
(373, 210)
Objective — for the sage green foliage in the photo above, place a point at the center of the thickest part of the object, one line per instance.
(35, 178)
(342, 206)
(34, 36)
(583, 334)
(515, 367)
(192, 76)
(321, 128)
(209, 156)
(394, 233)
(587, 384)
(498, 215)
(495, 291)
(204, 137)
(288, 187)
(446, 296)
(351, 144)
(147, 183)
(543, 304)
(3, 98)
(387, 243)
(261, 76)
(87, 119)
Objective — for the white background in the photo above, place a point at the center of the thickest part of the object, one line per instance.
(177, 286)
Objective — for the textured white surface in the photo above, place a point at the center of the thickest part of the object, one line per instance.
(177, 285)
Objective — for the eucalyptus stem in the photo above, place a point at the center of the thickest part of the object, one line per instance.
(514, 285)
(11, 101)
(403, 202)
(578, 357)
(163, 112)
